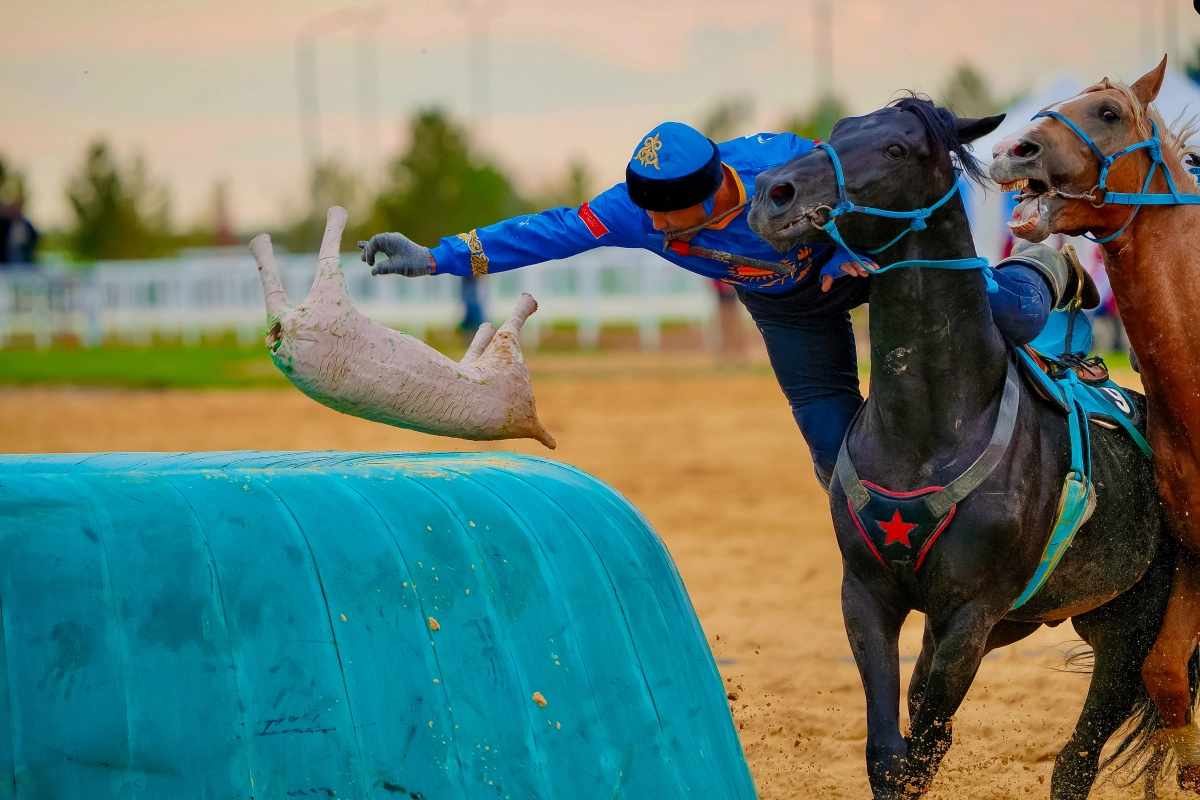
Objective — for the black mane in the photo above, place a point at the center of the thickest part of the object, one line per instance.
(942, 126)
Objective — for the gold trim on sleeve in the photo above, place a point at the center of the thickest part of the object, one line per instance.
(479, 260)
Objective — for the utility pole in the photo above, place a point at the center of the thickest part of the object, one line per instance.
(366, 63)
(823, 47)
(1145, 12)
(1171, 31)
(306, 77)
(306, 91)
(479, 14)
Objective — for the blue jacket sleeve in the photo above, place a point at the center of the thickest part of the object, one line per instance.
(534, 238)
(783, 147)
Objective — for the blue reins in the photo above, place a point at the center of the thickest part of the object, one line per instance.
(917, 222)
(1153, 146)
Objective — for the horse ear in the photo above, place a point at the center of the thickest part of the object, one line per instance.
(1145, 88)
(971, 129)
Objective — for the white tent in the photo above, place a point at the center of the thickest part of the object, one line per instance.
(987, 207)
(1019, 115)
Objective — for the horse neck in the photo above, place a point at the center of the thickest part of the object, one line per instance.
(937, 362)
(1154, 270)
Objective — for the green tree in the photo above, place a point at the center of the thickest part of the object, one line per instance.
(817, 122)
(1192, 67)
(331, 183)
(12, 184)
(439, 188)
(213, 227)
(968, 94)
(119, 211)
(576, 187)
(726, 117)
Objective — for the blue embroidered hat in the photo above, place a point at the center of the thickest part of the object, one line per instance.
(674, 167)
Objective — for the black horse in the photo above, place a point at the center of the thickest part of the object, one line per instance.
(939, 369)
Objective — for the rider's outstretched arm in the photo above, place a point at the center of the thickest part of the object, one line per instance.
(512, 243)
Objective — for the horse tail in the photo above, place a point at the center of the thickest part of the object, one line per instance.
(1141, 753)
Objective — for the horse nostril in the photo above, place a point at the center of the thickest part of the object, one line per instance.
(782, 193)
(1024, 149)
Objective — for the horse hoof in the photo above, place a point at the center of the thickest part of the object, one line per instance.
(1189, 778)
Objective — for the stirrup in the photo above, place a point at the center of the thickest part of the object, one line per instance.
(1089, 370)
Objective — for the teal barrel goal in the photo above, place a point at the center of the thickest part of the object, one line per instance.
(345, 625)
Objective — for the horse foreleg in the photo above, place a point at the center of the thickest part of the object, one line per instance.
(920, 673)
(873, 620)
(961, 644)
(1005, 633)
(1165, 670)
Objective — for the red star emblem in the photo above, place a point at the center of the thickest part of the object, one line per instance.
(897, 530)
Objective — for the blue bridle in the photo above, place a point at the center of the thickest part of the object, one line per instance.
(1153, 146)
(916, 222)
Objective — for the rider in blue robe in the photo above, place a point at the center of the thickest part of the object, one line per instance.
(678, 179)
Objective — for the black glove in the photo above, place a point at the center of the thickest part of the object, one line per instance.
(404, 256)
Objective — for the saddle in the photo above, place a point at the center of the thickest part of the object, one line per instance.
(900, 528)
(1099, 398)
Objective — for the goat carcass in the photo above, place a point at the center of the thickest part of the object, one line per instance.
(343, 360)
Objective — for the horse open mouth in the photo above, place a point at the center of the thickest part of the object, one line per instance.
(1031, 211)
(797, 226)
(786, 233)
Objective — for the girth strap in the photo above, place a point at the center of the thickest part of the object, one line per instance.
(940, 502)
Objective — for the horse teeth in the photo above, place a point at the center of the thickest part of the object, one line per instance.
(1015, 186)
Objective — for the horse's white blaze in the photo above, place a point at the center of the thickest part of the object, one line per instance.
(343, 360)
(1005, 145)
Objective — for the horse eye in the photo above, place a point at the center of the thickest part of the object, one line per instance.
(895, 151)
(1108, 115)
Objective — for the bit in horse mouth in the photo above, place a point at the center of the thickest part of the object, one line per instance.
(807, 215)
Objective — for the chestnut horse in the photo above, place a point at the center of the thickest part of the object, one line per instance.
(1152, 255)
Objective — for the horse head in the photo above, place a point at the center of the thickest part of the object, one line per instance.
(1056, 160)
(895, 158)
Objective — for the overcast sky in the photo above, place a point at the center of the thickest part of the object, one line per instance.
(208, 90)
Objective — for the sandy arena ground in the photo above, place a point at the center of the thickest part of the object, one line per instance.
(714, 460)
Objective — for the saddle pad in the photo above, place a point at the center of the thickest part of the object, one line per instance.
(1109, 400)
(898, 527)
(1053, 338)
(1106, 401)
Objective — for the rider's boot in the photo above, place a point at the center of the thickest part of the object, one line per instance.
(1066, 277)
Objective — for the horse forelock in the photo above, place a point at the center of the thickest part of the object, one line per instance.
(941, 125)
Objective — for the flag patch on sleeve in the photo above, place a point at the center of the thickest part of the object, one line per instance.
(592, 221)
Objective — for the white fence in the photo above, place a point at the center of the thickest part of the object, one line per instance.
(190, 297)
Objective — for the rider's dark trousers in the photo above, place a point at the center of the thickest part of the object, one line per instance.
(811, 346)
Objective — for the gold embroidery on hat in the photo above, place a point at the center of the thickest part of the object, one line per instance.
(479, 260)
(648, 155)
